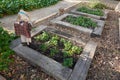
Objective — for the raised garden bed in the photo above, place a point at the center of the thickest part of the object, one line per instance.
(91, 26)
(43, 58)
(57, 48)
(94, 13)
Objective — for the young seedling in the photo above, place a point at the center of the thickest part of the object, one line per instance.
(53, 51)
(43, 37)
(68, 62)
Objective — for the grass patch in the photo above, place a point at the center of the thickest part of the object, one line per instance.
(81, 21)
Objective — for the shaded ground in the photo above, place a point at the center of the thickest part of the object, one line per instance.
(21, 70)
(105, 65)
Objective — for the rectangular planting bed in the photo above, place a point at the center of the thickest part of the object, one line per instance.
(93, 13)
(84, 24)
(59, 54)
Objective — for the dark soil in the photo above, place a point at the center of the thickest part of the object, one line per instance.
(106, 62)
(59, 57)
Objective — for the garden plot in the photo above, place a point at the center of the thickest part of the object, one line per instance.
(80, 23)
(93, 13)
(59, 54)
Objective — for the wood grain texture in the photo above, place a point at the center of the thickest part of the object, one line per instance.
(93, 32)
(83, 64)
(49, 65)
(74, 11)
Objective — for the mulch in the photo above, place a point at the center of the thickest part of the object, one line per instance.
(106, 62)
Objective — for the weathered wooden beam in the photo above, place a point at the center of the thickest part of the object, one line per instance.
(37, 30)
(2, 78)
(81, 68)
(49, 65)
(93, 32)
(74, 11)
(67, 36)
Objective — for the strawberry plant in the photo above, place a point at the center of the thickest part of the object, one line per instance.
(91, 11)
(81, 21)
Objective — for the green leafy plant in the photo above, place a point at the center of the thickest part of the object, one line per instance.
(62, 40)
(43, 47)
(43, 37)
(53, 41)
(67, 45)
(8, 7)
(91, 11)
(81, 21)
(65, 54)
(71, 50)
(53, 51)
(53, 48)
(55, 37)
(68, 62)
(99, 6)
(5, 51)
(68, 53)
(76, 49)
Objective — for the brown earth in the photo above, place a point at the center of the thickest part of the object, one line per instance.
(106, 62)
